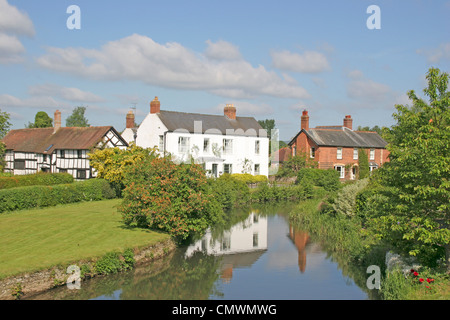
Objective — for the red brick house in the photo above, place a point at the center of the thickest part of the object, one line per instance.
(337, 147)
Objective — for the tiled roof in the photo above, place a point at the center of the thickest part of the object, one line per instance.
(344, 137)
(43, 140)
(218, 124)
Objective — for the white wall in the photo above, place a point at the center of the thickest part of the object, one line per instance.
(151, 128)
(243, 148)
(149, 131)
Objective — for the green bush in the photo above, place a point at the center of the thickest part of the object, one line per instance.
(113, 262)
(328, 179)
(249, 178)
(47, 196)
(267, 193)
(46, 179)
(171, 197)
(345, 202)
(230, 191)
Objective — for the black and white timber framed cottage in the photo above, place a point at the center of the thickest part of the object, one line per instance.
(57, 149)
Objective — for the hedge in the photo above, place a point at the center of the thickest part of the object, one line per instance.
(328, 179)
(46, 179)
(249, 178)
(47, 196)
(272, 192)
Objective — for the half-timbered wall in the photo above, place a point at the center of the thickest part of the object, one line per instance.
(111, 140)
(74, 162)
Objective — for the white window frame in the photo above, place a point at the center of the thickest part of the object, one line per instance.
(227, 146)
(257, 169)
(341, 171)
(355, 153)
(372, 154)
(206, 143)
(161, 143)
(229, 166)
(339, 153)
(257, 147)
(183, 144)
(312, 152)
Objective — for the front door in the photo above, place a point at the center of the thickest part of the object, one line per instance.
(214, 170)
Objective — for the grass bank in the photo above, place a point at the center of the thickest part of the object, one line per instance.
(33, 240)
(358, 249)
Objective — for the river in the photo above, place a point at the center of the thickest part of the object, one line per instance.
(255, 255)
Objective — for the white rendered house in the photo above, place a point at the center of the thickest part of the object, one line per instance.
(222, 143)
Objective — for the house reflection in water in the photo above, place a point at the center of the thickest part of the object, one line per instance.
(240, 246)
(300, 239)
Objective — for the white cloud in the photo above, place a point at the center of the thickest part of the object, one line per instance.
(170, 65)
(367, 89)
(436, 55)
(360, 87)
(49, 97)
(355, 74)
(10, 49)
(244, 108)
(12, 102)
(14, 21)
(70, 94)
(308, 62)
(222, 50)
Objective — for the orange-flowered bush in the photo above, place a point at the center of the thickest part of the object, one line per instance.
(171, 197)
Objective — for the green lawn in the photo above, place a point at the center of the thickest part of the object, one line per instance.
(36, 239)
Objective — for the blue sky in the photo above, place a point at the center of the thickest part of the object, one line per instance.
(271, 59)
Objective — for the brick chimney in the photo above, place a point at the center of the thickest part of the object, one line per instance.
(130, 120)
(155, 106)
(57, 121)
(305, 120)
(348, 122)
(230, 111)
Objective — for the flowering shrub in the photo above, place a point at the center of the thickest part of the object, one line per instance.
(417, 279)
(171, 197)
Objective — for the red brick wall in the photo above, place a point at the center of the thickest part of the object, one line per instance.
(327, 156)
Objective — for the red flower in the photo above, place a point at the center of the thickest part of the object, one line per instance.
(412, 270)
(430, 280)
(421, 280)
(416, 273)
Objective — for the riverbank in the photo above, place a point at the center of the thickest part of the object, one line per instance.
(350, 241)
(38, 245)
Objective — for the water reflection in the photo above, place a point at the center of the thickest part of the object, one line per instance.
(239, 247)
(255, 254)
(300, 239)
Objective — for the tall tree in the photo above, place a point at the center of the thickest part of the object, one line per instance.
(268, 125)
(418, 174)
(363, 163)
(41, 120)
(4, 128)
(4, 123)
(77, 118)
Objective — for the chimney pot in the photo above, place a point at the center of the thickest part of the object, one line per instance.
(305, 120)
(348, 122)
(155, 106)
(230, 111)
